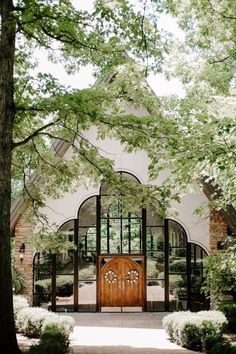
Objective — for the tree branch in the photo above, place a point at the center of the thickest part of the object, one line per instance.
(220, 13)
(33, 135)
(220, 60)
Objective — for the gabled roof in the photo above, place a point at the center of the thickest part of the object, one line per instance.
(60, 147)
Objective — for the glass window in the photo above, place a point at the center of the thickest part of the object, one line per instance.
(87, 212)
(177, 235)
(155, 238)
(122, 176)
(120, 230)
(153, 218)
(197, 274)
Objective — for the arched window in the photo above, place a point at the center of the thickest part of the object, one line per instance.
(120, 230)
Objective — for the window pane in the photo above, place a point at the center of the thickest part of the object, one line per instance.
(64, 292)
(155, 238)
(87, 296)
(177, 264)
(155, 295)
(197, 299)
(177, 236)
(155, 265)
(87, 238)
(153, 218)
(87, 212)
(87, 266)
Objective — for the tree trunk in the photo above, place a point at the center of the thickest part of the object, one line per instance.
(7, 113)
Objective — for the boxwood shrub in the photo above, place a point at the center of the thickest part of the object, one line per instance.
(32, 321)
(190, 329)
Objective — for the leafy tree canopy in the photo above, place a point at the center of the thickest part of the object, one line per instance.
(194, 136)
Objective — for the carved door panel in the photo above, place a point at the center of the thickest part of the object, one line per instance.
(121, 282)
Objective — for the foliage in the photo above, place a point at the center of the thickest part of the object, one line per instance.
(152, 271)
(53, 340)
(209, 342)
(47, 112)
(190, 329)
(220, 273)
(31, 321)
(18, 281)
(191, 337)
(64, 286)
(222, 347)
(229, 309)
(87, 272)
(63, 321)
(194, 136)
(51, 241)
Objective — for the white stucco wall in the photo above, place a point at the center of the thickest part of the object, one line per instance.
(61, 210)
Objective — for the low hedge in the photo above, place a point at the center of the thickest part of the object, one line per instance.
(31, 321)
(190, 329)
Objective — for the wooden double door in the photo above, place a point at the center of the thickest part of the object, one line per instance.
(121, 281)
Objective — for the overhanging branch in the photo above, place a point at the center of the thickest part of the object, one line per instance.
(33, 135)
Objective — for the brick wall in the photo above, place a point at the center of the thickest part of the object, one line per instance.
(23, 234)
(217, 230)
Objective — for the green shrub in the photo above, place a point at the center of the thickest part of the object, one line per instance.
(87, 272)
(209, 341)
(43, 289)
(222, 347)
(32, 321)
(178, 266)
(191, 337)
(64, 287)
(65, 322)
(189, 329)
(229, 309)
(54, 339)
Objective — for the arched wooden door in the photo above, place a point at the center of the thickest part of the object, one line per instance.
(121, 281)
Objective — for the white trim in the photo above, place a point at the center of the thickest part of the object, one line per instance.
(189, 240)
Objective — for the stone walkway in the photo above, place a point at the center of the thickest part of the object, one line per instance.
(121, 333)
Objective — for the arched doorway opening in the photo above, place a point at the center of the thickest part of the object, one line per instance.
(123, 259)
